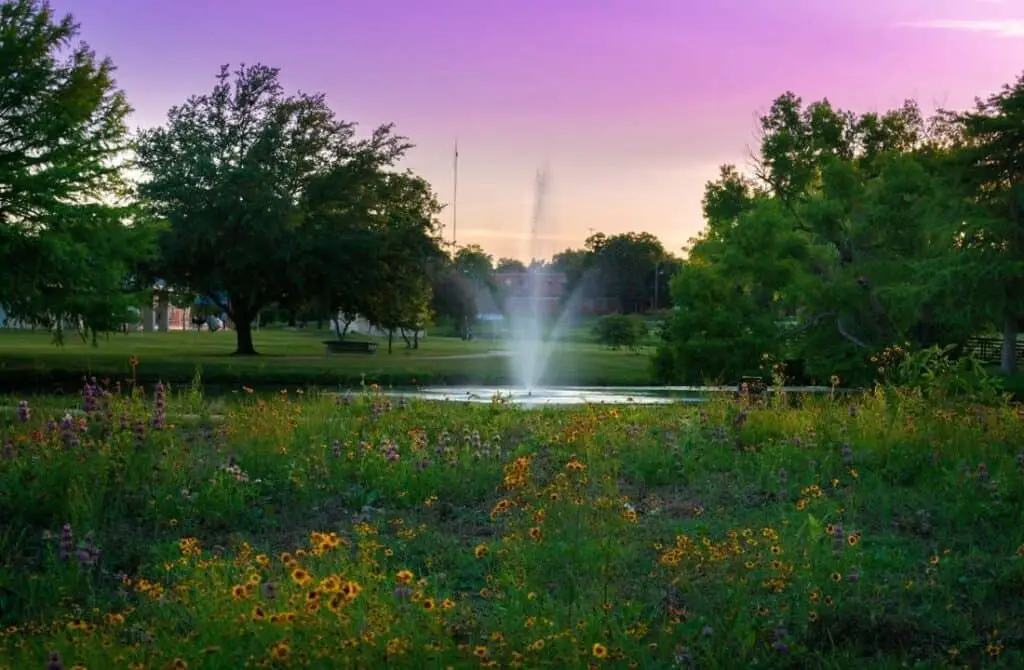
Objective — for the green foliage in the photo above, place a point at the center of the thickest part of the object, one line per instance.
(620, 330)
(855, 233)
(66, 237)
(942, 377)
(294, 527)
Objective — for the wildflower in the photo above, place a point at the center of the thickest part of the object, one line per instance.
(280, 651)
(238, 591)
(24, 412)
(481, 651)
(836, 577)
(300, 576)
(179, 664)
(404, 576)
(599, 650)
(258, 614)
(429, 604)
(535, 534)
(159, 406)
(480, 550)
(447, 604)
(351, 590)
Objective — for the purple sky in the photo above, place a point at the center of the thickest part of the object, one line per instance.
(631, 103)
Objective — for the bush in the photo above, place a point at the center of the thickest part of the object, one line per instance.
(620, 330)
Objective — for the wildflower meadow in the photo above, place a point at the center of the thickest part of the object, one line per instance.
(157, 528)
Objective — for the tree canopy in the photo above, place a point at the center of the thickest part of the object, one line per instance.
(64, 221)
(853, 233)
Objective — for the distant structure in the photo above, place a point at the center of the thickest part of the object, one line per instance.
(552, 294)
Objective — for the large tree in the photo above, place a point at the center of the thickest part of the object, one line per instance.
(227, 172)
(991, 146)
(842, 244)
(65, 237)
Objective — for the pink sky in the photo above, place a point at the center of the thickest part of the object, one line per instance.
(632, 104)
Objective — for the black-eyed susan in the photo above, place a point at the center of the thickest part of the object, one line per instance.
(447, 604)
(480, 550)
(429, 604)
(836, 577)
(404, 576)
(258, 614)
(480, 651)
(535, 534)
(599, 650)
(300, 576)
(351, 589)
(280, 651)
(238, 591)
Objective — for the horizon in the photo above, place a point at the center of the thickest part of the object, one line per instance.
(612, 97)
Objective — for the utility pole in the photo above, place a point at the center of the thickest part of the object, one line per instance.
(455, 195)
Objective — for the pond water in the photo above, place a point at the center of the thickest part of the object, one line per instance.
(577, 395)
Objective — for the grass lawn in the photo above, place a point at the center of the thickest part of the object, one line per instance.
(292, 530)
(31, 360)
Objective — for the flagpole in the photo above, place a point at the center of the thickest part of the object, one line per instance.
(455, 195)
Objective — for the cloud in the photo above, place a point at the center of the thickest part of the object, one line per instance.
(1013, 28)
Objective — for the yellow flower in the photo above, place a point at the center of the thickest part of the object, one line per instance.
(447, 604)
(404, 576)
(300, 576)
(280, 651)
(480, 550)
(599, 650)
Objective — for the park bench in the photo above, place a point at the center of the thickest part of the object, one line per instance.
(349, 347)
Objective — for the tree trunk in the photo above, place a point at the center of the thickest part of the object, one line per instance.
(1008, 364)
(391, 338)
(243, 331)
(416, 339)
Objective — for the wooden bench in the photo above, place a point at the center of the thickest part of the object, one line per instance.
(349, 347)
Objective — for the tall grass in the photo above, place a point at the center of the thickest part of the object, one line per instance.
(368, 532)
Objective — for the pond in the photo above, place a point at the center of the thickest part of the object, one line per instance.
(577, 395)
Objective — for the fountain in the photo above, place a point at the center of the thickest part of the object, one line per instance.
(531, 347)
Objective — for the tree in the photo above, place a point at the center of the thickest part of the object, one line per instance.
(227, 172)
(628, 265)
(475, 263)
(992, 148)
(454, 297)
(843, 244)
(70, 253)
(509, 265)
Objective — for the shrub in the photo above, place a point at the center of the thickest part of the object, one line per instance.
(619, 330)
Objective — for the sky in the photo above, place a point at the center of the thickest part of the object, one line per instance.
(629, 105)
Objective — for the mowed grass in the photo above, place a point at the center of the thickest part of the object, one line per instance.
(300, 531)
(296, 357)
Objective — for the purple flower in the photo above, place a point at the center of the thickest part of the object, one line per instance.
(67, 542)
(24, 411)
(159, 406)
